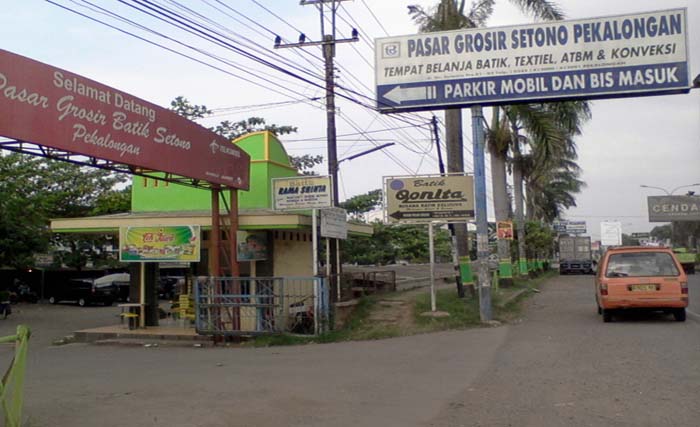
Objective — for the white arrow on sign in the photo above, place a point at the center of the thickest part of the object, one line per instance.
(398, 94)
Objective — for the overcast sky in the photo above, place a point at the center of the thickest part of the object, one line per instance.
(629, 142)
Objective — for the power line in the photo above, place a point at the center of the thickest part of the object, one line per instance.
(375, 18)
(166, 48)
(191, 27)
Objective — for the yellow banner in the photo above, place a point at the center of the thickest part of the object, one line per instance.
(180, 243)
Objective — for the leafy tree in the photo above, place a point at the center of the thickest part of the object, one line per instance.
(539, 239)
(392, 243)
(661, 232)
(111, 202)
(34, 189)
(362, 203)
(452, 15)
(305, 163)
(23, 227)
(232, 130)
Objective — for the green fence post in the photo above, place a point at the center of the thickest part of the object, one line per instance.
(522, 264)
(505, 272)
(14, 378)
(465, 271)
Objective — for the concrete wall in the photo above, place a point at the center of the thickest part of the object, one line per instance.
(292, 253)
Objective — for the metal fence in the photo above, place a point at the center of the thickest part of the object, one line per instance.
(358, 283)
(236, 306)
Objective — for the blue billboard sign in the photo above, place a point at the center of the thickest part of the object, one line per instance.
(627, 55)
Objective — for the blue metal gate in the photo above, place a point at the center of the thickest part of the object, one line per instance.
(236, 306)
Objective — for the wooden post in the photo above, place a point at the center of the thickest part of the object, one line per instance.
(214, 241)
(233, 241)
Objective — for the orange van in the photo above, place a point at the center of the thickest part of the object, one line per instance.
(639, 277)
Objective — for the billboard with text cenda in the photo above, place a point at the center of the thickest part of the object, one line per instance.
(58, 109)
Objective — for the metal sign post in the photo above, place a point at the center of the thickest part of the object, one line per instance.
(431, 246)
(314, 239)
(142, 295)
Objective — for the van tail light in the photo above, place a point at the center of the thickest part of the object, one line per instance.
(684, 288)
(603, 288)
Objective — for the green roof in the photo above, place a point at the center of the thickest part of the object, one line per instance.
(268, 159)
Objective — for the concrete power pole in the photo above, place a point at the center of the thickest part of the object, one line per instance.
(328, 44)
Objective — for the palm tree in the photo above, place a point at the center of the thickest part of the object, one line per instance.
(450, 15)
(551, 128)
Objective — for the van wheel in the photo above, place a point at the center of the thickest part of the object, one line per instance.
(82, 302)
(607, 315)
(53, 300)
(679, 315)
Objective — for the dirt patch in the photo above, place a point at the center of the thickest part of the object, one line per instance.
(396, 310)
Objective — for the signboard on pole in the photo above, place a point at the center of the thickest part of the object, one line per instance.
(673, 208)
(334, 223)
(576, 227)
(177, 243)
(43, 260)
(615, 56)
(560, 226)
(302, 193)
(504, 230)
(426, 198)
(610, 233)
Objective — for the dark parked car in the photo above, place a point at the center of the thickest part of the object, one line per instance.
(120, 282)
(83, 292)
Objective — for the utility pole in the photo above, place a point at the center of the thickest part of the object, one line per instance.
(482, 231)
(328, 44)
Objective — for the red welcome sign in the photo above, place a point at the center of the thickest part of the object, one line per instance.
(55, 108)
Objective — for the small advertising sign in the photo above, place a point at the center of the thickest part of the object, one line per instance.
(611, 233)
(301, 193)
(576, 227)
(178, 243)
(334, 223)
(560, 226)
(43, 260)
(504, 230)
(673, 208)
(252, 245)
(425, 198)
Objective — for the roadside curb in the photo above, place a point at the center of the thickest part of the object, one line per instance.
(127, 342)
(692, 315)
(512, 297)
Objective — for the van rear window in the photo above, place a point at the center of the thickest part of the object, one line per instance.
(640, 264)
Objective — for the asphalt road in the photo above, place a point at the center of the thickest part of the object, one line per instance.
(559, 366)
(562, 366)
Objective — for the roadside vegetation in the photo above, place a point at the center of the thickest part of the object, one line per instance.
(405, 319)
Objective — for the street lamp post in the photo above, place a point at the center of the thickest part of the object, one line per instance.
(670, 193)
